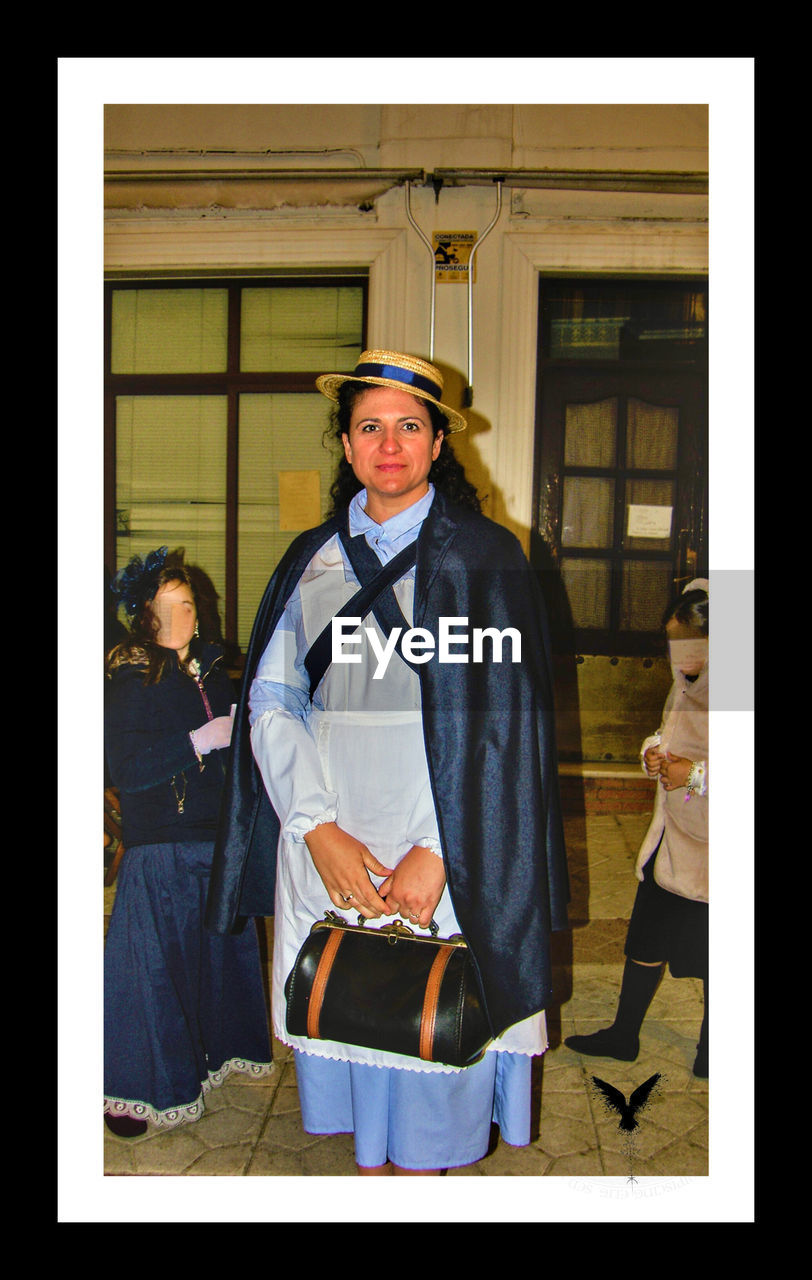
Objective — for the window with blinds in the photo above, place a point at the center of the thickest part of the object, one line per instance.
(214, 431)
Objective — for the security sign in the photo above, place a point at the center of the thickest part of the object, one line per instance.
(452, 251)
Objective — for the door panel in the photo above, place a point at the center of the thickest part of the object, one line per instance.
(621, 495)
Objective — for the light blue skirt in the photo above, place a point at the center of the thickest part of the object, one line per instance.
(417, 1119)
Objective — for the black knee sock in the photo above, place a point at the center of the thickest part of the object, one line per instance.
(640, 981)
(621, 1040)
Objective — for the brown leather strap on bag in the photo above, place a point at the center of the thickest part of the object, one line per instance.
(323, 968)
(428, 1018)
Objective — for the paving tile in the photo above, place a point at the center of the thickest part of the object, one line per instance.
(252, 1102)
(285, 1133)
(226, 1161)
(230, 1124)
(585, 1164)
(698, 1137)
(563, 1135)
(118, 1155)
(669, 1053)
(594, 998)
(512, 1162)
(332, 1157)
(169, 1152)
(561, 1075)
(267, 1163)
(634, 826)
(680, 1114)
(287, 1075)
(286, 1100)
(600, 941)
(565, 1104)
(616, 1164)
(683, 1159)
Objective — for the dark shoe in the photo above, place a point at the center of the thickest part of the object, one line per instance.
(125, 1126)
(605, 1044)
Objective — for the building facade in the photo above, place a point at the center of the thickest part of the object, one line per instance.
(552, 260)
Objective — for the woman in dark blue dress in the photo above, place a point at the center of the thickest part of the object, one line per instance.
(182, 1008)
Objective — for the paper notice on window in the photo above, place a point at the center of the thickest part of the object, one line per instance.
(649, 522)
(299, 500)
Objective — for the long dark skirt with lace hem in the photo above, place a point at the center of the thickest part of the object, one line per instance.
(183, 1008)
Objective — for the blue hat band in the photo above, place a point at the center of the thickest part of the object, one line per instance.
(396, 374)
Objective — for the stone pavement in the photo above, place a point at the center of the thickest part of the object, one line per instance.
(253, 1129)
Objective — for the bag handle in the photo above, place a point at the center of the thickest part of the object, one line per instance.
(400, 925)
(396, 927)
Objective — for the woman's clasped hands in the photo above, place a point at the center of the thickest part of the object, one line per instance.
(412, 889)
(672, 770)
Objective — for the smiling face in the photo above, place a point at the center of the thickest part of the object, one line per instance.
(174, 607)
(390, 447)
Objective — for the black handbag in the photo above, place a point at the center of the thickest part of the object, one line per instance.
(388, 988)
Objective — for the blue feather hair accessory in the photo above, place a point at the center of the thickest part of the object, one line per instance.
(133, 584)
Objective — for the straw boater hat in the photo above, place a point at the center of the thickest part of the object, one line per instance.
(394, 369)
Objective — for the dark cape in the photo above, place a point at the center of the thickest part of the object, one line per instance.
(490, 743)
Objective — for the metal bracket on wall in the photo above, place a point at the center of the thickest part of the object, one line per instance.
(469, 390)
(428, 245)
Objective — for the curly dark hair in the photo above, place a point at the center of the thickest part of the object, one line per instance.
(140, 647)
(446, 474)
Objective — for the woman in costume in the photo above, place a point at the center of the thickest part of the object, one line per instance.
(669, 922)
(181, 1009)
(427, 791)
